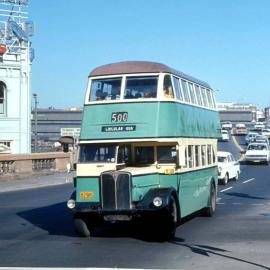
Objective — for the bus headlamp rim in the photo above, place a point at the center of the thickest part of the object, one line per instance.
(71, 204)
(157, 201)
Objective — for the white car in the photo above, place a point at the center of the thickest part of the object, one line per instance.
(226, 125)
(228, 167)
(250, 137)
(224, 135)
(258, 152)
(261, 139)
(266, 132)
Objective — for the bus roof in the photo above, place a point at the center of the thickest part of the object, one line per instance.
(129, 67)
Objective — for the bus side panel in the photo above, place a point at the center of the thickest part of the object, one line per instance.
(187, 192)
(169, 180)
(142, 184)
(195, 188)
(183, 120)
(205, 176)
(87, 189)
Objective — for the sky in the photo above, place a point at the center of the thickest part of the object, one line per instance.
(223, 42)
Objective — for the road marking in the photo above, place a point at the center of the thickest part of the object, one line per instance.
(237, 203)
(226, 189)
(220, 203)
(249, 180)
(218, 199)
(257, 204)
(239, 147)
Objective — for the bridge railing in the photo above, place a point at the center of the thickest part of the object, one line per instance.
(31, 163)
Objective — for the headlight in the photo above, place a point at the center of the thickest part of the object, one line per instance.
(71, 204)
(157, 201)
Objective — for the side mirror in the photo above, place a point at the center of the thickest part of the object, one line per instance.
(243, 152)
(181, 156)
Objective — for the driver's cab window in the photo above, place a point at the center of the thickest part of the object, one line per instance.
(166, 154)
(144, 155)
(124, 154)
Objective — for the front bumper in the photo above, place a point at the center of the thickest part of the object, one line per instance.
(256, 159)
(94, 211)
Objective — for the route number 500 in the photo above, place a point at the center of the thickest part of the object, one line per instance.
(119, 117)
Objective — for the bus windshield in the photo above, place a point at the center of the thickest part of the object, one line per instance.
(97, 153)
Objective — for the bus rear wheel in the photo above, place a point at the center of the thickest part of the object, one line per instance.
(211, 208)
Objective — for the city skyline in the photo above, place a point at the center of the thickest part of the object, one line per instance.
(223, 43)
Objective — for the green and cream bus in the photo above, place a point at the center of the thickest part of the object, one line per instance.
(148, 148)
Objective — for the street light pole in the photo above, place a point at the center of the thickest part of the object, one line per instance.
(35, 98)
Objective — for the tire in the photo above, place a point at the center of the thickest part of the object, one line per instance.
(212, 201)
(236, 178)
(81, 227)
(225, 179)
(167, 227)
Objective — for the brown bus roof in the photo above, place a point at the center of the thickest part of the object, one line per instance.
(129, 67)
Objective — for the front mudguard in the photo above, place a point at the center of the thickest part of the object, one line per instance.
(165, 194)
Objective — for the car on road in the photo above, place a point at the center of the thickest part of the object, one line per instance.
(259, 126)
(240, 129)
(226, 125)
(224, 135)
(266, 132)
(261, 139)
(250, 137)
(258, 152)
(228, 167)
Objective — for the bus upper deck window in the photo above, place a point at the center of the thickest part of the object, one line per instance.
(167, 87)
(105, 89)
(141, 87)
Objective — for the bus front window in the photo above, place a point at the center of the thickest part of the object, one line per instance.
(141, 87)
(97, 153)
(124, 154)
(144, 155)
(105, 89)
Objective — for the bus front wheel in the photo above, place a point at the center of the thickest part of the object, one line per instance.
(168, 226)
(81, 227)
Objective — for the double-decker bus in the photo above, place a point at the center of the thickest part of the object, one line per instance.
(147, 148)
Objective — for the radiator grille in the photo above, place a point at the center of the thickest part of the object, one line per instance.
(116, 190)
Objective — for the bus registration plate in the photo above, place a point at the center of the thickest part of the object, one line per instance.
(87, 195)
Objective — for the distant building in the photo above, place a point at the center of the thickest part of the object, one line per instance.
(50, 123)
(16, 56)
(267, 114)
(237, 113)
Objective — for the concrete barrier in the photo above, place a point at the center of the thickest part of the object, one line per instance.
(27, 164)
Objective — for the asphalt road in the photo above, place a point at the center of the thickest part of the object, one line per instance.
(36, 231)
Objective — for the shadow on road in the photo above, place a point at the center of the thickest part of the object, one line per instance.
(208, 250)
(55, 219)
(247, 196)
